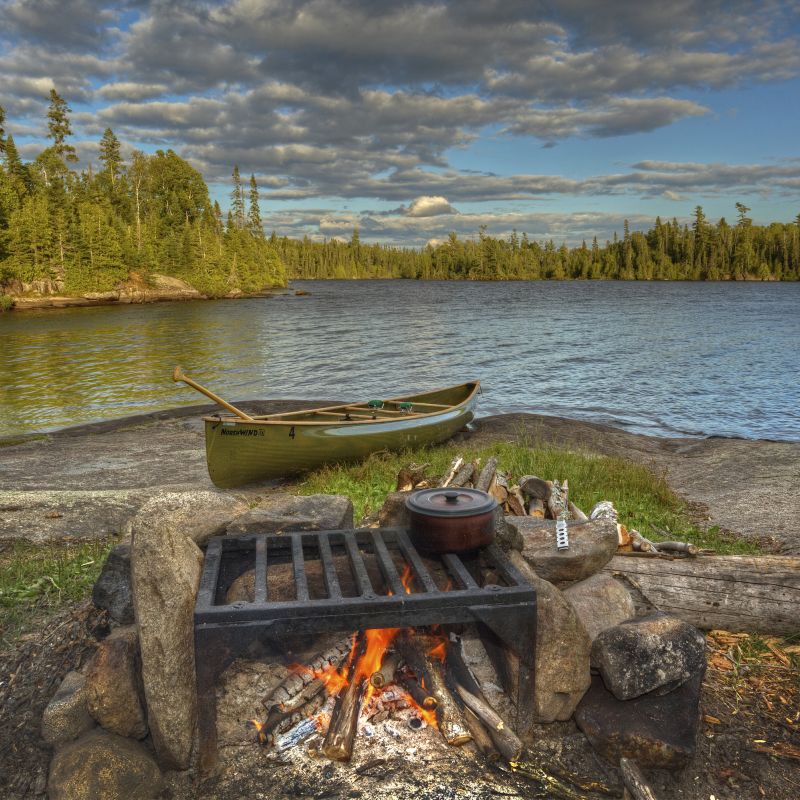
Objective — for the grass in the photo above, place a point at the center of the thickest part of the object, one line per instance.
(37, 580)
(642, 498)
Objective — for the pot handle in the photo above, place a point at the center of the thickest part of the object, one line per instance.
(451, 497)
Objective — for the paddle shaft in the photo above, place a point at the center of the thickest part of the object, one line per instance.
(177, 375)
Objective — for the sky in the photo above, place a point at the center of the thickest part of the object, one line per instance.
(414, 119)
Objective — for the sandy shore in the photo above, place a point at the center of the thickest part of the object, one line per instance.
(88, 481)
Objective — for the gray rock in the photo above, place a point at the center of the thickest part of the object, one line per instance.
(600, 603)
(562, 650)
(113, 685)
(112, 590)
(103, 765)
(591, 546)
(198, 515)
(507, 536)
(654, 652)
(655, 731)
(66, 716)
(286, 512)
(165, 567)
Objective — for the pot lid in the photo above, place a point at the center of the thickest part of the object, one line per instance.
(450, 502)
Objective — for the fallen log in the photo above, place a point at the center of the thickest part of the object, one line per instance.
(416, 650)
(634, 781)
(752, 594)
(338, 742)
(484, 479)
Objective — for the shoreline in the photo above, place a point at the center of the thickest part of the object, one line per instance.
(87, 481)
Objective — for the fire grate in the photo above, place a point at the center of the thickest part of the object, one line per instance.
(375, 597)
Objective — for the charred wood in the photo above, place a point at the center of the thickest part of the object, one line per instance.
(338, 742)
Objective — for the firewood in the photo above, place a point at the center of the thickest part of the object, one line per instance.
(385, 675)
(623, 537)
(481, 738)
(455, 466)
(576, 513)
(410, 475)
(505, 740)
(516, 501)
(641, 544)
(463, 476)
(604, 510)
(416, 648)
(752, 594)
(422, 698)
(484, 480)
(536, 508)
(557, 499)
(677, 547)
(634, 781)
(295, 682)
(498, 488)
(338, 742)
(532, 486)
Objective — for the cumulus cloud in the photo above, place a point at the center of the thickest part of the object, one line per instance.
(429, 207)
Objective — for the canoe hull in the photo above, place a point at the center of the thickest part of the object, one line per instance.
(240, 452)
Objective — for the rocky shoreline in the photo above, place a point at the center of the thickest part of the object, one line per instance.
(89, 481)
(156, 289)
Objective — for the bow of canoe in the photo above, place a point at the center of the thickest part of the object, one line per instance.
(247, 451)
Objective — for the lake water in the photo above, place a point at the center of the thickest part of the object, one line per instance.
(658, 358)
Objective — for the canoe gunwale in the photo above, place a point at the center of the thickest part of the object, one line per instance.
(281, 419)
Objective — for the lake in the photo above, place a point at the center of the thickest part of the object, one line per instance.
(664, 359)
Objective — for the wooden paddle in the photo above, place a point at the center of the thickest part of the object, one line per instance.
(177, 376)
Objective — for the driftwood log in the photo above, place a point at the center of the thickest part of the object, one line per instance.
(752, 594)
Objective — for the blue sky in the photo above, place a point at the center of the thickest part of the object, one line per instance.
(412, 119)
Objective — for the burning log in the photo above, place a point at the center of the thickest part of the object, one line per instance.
(505, 740)
(296, 681)
(484, 480)
(634, 781)
(455, 466)
(558, 499)
(338, 742)
(416, 649)
(385, 675)
(422, 698)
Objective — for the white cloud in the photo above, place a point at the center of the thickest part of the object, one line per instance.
(429, 207)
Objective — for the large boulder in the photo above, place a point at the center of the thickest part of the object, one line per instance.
(658, 731)
(165, 567)
(113, 685)
(103, 765)
(112, 590)
(591, 547)
(286, 512)
(562, 650)
(67, 716)
(656, 652)
(198, 515)
(601, 602)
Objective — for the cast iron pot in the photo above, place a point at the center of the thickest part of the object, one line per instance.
(451, 520)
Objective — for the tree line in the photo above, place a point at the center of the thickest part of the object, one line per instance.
(668, 251)
(63, 231)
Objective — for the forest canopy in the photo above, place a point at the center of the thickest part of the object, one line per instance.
(73, 232)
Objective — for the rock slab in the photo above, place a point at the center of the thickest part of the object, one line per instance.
(600, 603)
(591, 547)
(67, 716)
(657, 652)
(286, 512)
(165, 567)
(103, 766)
(113, 685)
(658, 731)
(562, 650)
(112, 590)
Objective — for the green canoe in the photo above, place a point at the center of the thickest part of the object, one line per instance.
(245, 451)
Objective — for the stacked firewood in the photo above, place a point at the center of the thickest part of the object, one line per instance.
(536, 497)
(421, 670)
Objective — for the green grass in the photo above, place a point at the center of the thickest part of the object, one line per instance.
(36, 580)
(642, 498)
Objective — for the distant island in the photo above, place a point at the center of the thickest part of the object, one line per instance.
(147, 229)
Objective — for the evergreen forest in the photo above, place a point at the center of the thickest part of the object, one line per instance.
(74, 232)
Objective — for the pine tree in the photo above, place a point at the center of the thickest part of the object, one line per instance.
(59, 127)
(254, 215)
(2, 129)
(111, 156)
(237, 199)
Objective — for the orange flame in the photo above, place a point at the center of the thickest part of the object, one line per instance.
(439, 651)
(405, 579)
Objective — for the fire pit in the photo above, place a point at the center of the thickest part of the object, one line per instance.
(355, 581)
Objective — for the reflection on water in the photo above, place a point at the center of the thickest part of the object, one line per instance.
(660, 358)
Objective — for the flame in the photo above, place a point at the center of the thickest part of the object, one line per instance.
(439, 651)
(406, 578)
